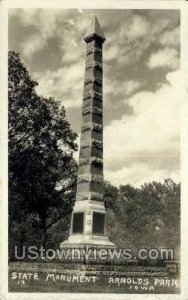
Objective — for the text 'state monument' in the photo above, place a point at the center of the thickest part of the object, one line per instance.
(88, 217)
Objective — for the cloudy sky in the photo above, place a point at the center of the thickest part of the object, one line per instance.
(141, 81)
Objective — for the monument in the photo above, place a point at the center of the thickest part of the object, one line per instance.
(89, 215)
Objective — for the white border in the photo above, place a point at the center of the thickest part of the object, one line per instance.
(184, 154)
(86, 4)
(3, 151)
(102, 4)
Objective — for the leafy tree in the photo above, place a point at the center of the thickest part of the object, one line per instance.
(110, 200)
(42, 171)
(148, 217)
(164, 225)
(110, 195)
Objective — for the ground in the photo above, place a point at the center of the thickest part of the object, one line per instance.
(76, 278)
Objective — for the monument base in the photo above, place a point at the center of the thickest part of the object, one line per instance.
(82, 241)
(87, 249)
(88, 238)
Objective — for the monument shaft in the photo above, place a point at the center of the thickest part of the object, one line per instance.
(90, 174)
(88, 218)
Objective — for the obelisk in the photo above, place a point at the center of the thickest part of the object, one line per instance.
(89, 215)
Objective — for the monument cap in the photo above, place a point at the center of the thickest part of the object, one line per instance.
(94, 31)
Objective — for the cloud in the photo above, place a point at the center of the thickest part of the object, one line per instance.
(129, 42)
(139, 174)
(122, 88)
(170, 38)
(32, 45)
(152, 131)
(46, 23)
(137, 28)
(26, 16)
(111, 53)
(167, 57)
(65, 83)
(131, 86)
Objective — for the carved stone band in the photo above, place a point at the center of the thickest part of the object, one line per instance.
(93, 160)
(90, 178)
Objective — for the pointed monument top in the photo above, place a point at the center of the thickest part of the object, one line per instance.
(94, 30)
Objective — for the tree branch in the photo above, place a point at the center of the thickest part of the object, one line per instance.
(64, 214)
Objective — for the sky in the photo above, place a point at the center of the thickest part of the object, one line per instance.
(142, 82)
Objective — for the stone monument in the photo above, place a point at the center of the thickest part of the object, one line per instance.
(88, 217)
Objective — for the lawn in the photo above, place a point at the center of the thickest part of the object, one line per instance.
(80, 278)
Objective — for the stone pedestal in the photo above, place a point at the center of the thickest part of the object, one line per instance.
(90, 210)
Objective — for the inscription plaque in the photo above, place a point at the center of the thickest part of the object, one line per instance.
(78, 223)
(98, 223)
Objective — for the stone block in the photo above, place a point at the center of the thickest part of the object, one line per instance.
(89, 102)
(91, 47)
(93, 64)
(92, 80)
(85, 136)
(85, 152)
(96, 169)
(96, 54)
(91, 94)
(83, 187)
(84, 169)
(96, 152)
(97, 127)
(93, 44)
(90, 75)
(97, 119)
(97, 72)
(93, 86)
(93, 57)
(97, 187)
(97, 103)
(92, 110)
(97, 87)
(95, 135)
(87, 118)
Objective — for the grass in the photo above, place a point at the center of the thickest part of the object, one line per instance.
(77, 278)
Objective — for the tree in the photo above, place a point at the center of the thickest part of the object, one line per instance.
(42, 170)
(164, 206)
(146, 217)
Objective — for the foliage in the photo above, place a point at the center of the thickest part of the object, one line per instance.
(42, 171)
(148, 217)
